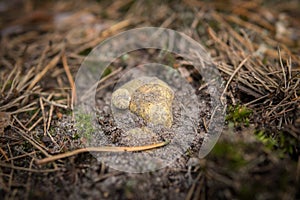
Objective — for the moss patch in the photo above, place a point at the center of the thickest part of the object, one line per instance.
(84, 126)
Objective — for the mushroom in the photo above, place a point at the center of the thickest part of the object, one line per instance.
(148, 97)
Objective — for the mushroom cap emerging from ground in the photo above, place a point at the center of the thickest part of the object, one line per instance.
(149, 98)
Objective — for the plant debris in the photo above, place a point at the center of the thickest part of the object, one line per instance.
(255, 45)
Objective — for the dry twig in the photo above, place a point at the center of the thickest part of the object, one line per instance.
(100, 149)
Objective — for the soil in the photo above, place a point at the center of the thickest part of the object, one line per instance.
(255, 48)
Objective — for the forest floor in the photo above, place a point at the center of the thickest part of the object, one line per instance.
(255, 45)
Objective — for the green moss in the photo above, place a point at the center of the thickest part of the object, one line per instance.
(85, 52)
(287, 143)
(282, 143)
(51, 131)
(129, 188)
(269, 142)
(31, 112)
(103, 14)
(215, 25)
(106, 72)
(125, 57)
(232, 153)
(27, 146)
(238, 115)
(76, 136)
(7, 86)
(246, 192)
(67, 112)
(126, 7)
(171, 60)
(189, 153)
(265, 60)
(84, 126)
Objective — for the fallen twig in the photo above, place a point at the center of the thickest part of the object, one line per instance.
(100, 149)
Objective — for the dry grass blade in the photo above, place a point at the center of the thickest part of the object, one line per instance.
(12, 73)
(100, 149)
(35, 124)
(233, 74)
(28, 169)
(44, 115)
(20, 123)
(282, 67)
(13, 103)
(192, 188)
(15, 94)
(3, 153)
(106, 33)
(25, 81)
(89, 91)
(39, 76)
(70, 79)
(50, 117)
(55, 104)
(22, 156)
(33, 117)
(30, 140)
(26, 108)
